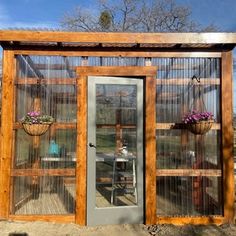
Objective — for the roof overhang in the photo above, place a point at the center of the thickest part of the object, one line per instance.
(61, 40)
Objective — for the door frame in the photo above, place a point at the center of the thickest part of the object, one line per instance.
(148, 73)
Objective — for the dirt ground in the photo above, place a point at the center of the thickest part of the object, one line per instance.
(9, 228)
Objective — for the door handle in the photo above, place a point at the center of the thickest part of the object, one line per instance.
(92, 145)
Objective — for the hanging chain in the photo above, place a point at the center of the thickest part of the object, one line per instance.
(192, 84)
(199, 92)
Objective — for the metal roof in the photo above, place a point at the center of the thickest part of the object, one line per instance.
(105, 40)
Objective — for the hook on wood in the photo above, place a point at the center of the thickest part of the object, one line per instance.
(196, 78)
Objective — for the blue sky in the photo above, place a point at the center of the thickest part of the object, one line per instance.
(47, 13)
(36, 13)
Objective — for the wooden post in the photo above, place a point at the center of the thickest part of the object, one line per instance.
(150, 153)
(6, 131)
(227, 135)
(150, 147)
(81, 151)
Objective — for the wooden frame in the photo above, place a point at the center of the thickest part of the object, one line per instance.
(149, 74)
(175, 45)
(6, 131)
(107, 37)
(227, 135)
(128, 53)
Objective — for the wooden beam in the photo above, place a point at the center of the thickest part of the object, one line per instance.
(185, 81)
(117, 71)
(6, 131)
(48, 218)
(119, 53)
(150, 149)
(227, 135)
(188, 172)
(35, 81)
(124, 47)
(204, 220)
(43, 172)
(81, 150)
(129, 38)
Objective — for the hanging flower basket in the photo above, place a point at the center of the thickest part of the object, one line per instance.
(36, 129)
(201, 127)
(36, 124)
(198, 122)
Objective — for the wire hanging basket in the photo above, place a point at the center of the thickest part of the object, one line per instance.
(36, 129)
(201, 127)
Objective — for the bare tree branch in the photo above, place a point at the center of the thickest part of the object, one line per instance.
(135, 16)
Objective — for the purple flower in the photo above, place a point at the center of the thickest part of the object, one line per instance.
(35, 117)
(196, 116)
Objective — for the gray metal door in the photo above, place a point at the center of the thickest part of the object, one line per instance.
(115, 150)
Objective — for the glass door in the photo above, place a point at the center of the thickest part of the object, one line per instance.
(115, 150)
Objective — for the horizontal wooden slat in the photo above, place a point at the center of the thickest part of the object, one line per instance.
(64, 125)
(49, 218)
(60, 125)
(122, 71)
(179, 66)
(188, 172)
(69, 81)
(186, 81)
(110, 37)
(43, 172)
(204, 220)
(167, 126)
(59, 81)
(118, 53)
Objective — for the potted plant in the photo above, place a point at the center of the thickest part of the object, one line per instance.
(198, 122)
(35, 124)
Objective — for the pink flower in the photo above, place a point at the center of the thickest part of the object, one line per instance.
(196, 116)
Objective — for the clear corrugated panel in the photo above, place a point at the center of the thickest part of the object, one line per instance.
(46, 67)
(116, 61)
(179, 149)
(44, 166)
(189, 196)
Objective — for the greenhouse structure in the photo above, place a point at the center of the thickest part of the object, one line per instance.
(96, 127)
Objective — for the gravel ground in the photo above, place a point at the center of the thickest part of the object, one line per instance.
(9, 228)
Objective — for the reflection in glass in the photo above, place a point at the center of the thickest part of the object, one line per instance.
(174, 153)
(195, 196)
(116, 119)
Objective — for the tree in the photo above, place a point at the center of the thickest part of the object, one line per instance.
(134, 16)
(105, 20)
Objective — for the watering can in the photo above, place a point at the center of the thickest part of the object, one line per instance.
(53, 148)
